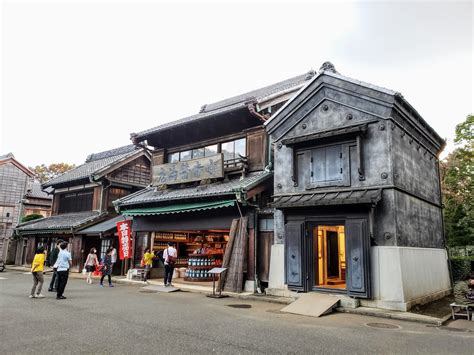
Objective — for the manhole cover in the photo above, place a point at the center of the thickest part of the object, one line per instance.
(382, 325)
(239, 305)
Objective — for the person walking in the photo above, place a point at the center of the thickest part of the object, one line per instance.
(37, 268)
(113, 256)
(53, 286)
(63, 264)
(91, 264)
(107, 267)
(169, 255)
(147, 262)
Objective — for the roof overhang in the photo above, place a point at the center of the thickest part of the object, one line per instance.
(205, 127)
(179, 208)
(334, 197)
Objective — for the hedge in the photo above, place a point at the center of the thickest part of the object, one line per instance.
(461, 266)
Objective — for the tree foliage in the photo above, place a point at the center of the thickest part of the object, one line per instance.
(457, 172)
(31, 217)
(44, 173)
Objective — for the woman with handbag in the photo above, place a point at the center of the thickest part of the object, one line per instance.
(91, 264)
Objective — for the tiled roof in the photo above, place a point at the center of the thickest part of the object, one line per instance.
(104, 226)
(260, 94)
(58, 223)
(233, 103)
(322, 198)
(111, 153)
(36, 192)
(151, 195)
(94, 163)
(7, 156)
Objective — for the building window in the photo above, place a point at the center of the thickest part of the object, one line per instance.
(76, 201)
(173, 158)
(234, 149)
(106, 243)
(210, 150)
(329, 166)
(265, 225)
(197, 153)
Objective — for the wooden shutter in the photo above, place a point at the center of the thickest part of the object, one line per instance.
(357, 258)
(318, 159)
(333, 163)
(294, 254)
(257, 150)
(327, 164)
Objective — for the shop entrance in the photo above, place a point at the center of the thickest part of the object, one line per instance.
(329, 256)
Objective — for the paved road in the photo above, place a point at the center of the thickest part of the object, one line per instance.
(124, 320)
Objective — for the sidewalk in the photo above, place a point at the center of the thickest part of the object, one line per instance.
(374, 312)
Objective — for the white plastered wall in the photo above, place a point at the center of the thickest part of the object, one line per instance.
(404, 276)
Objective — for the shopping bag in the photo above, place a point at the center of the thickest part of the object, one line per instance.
(98, 271)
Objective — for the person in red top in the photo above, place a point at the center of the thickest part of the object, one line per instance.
(169, 255)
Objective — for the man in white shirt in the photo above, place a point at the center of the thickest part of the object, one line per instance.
(169, 255)
(62, 265)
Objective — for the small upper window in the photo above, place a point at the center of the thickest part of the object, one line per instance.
(329, 166)
(210, 150)
(173, 158)
(198, 153)
(186, 155)
(234, 149)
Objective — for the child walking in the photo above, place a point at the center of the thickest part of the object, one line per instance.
(91, 264)
(37, 267)
(107, 267)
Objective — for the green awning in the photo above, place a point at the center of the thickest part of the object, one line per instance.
(188, 207)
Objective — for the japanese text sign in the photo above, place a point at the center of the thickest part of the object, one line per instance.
(124, 230)
(191, 170)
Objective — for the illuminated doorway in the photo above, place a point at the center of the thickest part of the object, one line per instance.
(329, 256)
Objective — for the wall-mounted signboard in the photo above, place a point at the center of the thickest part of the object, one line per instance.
(186, 171)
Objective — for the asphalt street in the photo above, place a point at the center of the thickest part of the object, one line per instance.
(125, 320)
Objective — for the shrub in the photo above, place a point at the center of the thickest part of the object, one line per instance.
(31, 217)
(461, 266)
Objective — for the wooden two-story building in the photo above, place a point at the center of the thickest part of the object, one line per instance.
(209, 170)
(357, 196)
(82, 211)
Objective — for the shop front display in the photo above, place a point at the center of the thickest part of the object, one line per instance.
(198, 251)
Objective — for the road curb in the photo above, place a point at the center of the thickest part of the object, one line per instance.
(405, 316)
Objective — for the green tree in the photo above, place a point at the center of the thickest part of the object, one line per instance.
(457, 172)
(30, 217)
(44, 173)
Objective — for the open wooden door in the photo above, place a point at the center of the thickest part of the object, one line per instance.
(294, 255)
(357, 258)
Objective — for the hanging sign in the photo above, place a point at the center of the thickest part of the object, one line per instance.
(186, 171)
(124, 230)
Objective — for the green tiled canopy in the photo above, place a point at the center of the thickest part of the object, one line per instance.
(188, 207)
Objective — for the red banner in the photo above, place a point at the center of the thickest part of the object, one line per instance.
(124, 230)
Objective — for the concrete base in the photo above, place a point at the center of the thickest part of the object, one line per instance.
(280, 292)
(403, 277)
(249, 286)
(348, 302)
(276, 279)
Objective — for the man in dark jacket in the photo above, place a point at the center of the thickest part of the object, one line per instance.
(53, 286)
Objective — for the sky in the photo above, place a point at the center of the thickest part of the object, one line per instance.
(79, 76)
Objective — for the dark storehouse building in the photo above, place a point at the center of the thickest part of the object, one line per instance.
(357, 196)
(82, 212)
(209, 170)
